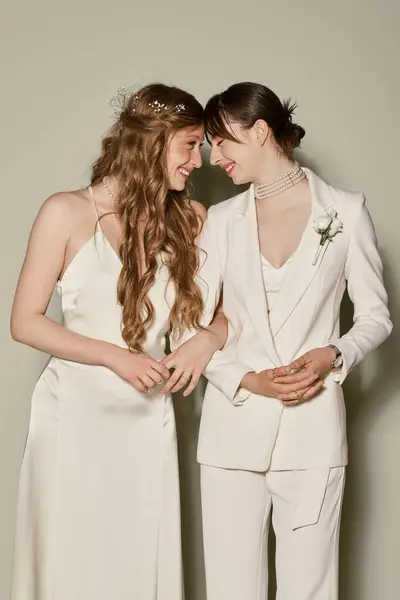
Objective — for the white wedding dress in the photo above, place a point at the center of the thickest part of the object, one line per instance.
(98, 513)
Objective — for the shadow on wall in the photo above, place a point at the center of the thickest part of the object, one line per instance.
(367, 391)
(211, 185)
(365, 399)
(187, 411)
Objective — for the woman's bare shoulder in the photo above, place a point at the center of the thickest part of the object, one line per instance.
(200, 210)
(63, 209)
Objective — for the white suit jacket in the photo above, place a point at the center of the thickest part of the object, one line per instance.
(252, 432)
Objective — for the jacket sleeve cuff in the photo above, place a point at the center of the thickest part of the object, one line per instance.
(241, 396)
(226, 375)
(339, 375)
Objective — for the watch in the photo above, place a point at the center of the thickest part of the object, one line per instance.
(338, 362)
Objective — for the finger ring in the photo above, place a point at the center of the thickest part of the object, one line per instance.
(185, 378)
(297, 397)
(274, 373)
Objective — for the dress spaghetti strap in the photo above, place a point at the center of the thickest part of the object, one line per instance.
(96, 212)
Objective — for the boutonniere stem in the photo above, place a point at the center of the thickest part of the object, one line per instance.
(327, 226)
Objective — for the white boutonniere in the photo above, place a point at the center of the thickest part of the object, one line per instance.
(327, 225)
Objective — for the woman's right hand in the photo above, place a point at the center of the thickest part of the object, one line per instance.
(264, 384)
(140, 370)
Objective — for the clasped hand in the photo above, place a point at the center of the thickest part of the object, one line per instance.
(181, 368)
(301, 380)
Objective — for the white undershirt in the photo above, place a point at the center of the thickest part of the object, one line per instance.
(273, 279)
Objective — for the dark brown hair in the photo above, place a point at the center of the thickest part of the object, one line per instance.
(134, 151)
(245, 103)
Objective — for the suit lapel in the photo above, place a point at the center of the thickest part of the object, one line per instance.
(247, 252)
(301, 271)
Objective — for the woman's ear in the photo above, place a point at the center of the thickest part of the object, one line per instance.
(261, 131)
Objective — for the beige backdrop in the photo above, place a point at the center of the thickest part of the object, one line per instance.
(339, 60)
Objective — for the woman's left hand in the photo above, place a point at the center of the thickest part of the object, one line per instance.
(189, 361)
(316, 363)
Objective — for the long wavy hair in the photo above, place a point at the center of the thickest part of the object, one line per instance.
(134, 152)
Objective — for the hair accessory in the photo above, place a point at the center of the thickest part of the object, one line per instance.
(157, 106)
(118, 103)
(120, 100)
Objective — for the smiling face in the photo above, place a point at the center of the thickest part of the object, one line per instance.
(241, 160)
(183, 155)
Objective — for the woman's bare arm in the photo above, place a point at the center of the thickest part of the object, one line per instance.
(43, 264)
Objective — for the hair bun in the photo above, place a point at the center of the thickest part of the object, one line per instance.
(291, 133)
(295, 134)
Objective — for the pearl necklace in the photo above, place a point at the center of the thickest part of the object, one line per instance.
(108, 189)
(283, 183)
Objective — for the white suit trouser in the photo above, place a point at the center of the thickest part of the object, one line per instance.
(306, 508)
